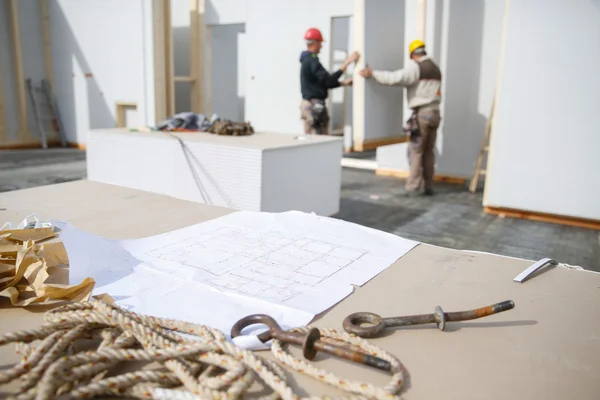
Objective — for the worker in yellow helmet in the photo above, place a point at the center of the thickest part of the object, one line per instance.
(422, 79)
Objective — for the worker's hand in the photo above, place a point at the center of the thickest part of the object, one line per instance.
(354, 57)
(366, 72)
(347, 82)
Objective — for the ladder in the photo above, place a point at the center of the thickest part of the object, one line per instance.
(485, 146)
(45, 110)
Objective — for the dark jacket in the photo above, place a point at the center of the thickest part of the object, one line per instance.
(314, 78)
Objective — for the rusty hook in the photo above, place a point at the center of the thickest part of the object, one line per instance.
(311, 342)
(352, 323)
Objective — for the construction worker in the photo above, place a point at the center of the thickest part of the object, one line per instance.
(422, 79)
(315, 83)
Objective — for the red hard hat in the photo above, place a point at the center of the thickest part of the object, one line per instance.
(314, 34)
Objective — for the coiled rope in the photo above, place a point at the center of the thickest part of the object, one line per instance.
(206, 366)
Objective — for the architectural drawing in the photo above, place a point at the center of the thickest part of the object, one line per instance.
(268, 266)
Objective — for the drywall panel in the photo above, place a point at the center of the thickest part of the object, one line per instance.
(220, 12)
(470, 52)
(274, 36)
(383, 38)
(545, 141)
(100, 56)
(303, 178)
(227, 62)
(9, 91)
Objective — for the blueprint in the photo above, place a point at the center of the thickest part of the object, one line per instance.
(290, 265)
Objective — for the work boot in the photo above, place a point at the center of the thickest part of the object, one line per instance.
(428, 192)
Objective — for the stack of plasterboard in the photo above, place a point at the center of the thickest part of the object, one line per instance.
(262, 172)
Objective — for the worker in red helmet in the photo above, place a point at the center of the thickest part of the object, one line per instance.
(315, 83)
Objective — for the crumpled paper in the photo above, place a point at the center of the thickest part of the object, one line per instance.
(32, 272)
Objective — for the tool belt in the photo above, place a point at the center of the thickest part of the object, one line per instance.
(411, 127)
(227, 127)
(319, 114)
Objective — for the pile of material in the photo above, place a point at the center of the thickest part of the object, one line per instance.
(34, 268)
(192, 122)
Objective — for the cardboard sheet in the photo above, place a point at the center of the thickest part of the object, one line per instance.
(547, 347)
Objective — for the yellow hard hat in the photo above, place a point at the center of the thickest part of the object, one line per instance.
(415, 45)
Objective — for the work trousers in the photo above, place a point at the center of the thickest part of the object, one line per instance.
(307, 117)
(421, 156)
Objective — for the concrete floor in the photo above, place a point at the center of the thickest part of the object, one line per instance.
(452, 218)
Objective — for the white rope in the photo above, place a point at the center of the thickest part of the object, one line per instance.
(205, 367)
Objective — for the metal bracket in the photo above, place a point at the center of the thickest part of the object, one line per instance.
(541, 263)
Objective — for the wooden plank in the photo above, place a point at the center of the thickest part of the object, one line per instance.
(160, 104)
(396, 173)
(17, 55)
(184, 79)
(371, 144)
(543, 217)
(46, 39)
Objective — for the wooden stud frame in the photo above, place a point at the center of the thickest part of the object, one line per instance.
(120, 108)
(13, 11)
(164, 77)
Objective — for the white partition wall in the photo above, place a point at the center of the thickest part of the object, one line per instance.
(545, 139)
(102, 54)
(379, 38)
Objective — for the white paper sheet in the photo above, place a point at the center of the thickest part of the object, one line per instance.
(290, 266)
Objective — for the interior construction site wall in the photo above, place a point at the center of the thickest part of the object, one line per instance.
(545, 139)
(382, 49)
(32, 58)
(274, 37)
(102, 53)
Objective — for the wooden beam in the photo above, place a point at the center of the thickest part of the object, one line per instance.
(184, 79)
(169, 59)
(197, 54)
(13, 10)
(160, 99)
(46, 38)
(543, 217)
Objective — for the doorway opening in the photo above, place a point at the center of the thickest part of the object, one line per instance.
(225, 71)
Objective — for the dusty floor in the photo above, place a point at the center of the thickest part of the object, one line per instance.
(453, 218)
